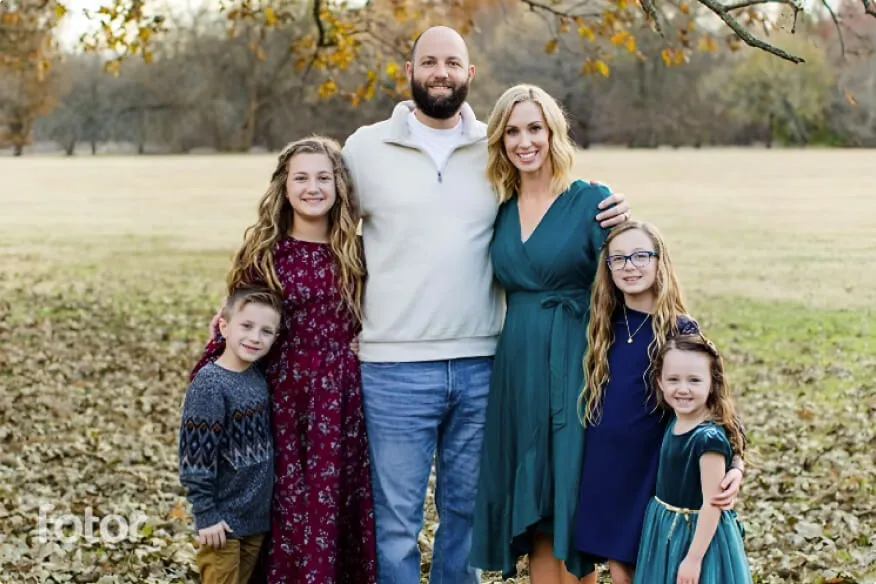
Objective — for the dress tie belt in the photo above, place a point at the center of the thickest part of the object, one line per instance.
(564, 303)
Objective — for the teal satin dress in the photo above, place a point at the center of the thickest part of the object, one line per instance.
(533, 445)
(671, 517)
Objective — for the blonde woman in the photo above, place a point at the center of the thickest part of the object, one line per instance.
(545, 253)
(304, 246)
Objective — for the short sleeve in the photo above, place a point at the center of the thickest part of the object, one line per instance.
(712, 438)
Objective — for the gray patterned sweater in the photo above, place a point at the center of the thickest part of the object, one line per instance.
(226, 454)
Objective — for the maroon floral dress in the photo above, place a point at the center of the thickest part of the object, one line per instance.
(322, 515)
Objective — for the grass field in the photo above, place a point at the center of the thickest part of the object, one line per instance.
(111, 267)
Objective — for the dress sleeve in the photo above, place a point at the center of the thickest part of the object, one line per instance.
(712, 438)
(595, 234)
(212, 352)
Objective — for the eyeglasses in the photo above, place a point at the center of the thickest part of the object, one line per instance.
(639, 259)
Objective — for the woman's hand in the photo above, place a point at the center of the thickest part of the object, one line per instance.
(726, 499)
(354, 346)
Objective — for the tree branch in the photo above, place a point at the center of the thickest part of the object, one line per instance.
(750, 3)
(317, 19)
(836, 23)
(721, 12)
(651, 14)
(401, 54)
(309, 67)
(533, 5)
(150, 108)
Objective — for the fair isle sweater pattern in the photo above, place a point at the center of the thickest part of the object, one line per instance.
(226, 449)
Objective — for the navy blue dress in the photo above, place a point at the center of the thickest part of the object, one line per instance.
(621, 451)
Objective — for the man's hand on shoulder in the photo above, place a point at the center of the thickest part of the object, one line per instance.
(616, 209)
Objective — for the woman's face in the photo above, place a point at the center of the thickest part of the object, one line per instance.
(310, 186)
(527, 138)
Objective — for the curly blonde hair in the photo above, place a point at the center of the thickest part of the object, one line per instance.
(254, 260)
(500, 171)
(669, 306)
(720, 400)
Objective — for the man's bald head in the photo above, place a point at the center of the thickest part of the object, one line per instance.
(441, 40)
(439, 73)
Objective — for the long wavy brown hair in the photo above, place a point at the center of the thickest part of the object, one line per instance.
(720, 400)
(255, 261)
(604, 301)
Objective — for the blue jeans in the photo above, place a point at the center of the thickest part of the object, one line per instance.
(416, 413)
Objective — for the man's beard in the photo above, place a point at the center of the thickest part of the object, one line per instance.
(439, 108)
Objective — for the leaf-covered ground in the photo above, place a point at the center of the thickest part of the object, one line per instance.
(93, 365)
(99, 327)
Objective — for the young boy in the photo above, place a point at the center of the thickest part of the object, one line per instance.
(226, 454)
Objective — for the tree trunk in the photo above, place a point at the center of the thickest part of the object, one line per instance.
(248, 131)
(584, 140)
(18, 151)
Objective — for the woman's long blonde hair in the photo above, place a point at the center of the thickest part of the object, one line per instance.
(669, 306)
(254, 259)
(720, 400)
(503, 175)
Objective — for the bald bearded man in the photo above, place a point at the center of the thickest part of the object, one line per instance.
(433, 311)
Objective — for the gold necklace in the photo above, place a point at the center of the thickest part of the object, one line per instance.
(627, 322)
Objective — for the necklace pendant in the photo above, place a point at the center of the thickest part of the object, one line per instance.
(629, 339)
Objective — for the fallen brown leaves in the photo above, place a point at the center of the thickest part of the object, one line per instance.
(93, 365)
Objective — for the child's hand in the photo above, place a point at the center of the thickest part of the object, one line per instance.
(689, 571)
(214, 536)
(354, 346)
(726, 499)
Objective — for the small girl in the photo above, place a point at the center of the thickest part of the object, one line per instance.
(304, 245)
(637, 303)
(684, 540)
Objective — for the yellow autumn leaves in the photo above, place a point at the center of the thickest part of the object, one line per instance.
(593, 65)
(395, 85)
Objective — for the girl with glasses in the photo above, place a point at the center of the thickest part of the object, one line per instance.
(636, 304)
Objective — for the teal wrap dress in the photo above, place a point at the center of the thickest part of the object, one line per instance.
(671, 517)
(533, 441)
